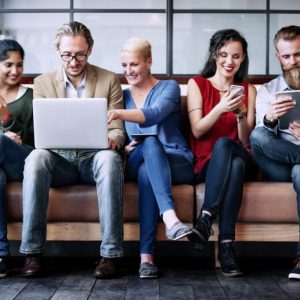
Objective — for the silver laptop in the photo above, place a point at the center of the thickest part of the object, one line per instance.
(68, 123)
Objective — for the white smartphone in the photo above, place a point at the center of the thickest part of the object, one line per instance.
(237, 89)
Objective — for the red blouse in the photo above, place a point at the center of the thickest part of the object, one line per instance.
(225, 126)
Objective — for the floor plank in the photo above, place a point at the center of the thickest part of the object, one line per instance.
(113, 289)
(181, 278)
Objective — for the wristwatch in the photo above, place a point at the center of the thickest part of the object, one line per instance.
(270, 124)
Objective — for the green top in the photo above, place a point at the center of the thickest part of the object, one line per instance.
(21, 121)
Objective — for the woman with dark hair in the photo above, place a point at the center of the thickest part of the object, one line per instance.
(221, 120)
(16, 129)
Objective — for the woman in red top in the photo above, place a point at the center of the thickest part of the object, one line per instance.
(221, 121)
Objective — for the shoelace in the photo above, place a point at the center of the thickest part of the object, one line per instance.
(297, 262)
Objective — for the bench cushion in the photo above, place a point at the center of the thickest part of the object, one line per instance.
(78, 203)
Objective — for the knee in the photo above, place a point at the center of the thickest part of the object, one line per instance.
(37, 160)
(296, 177)
(258, 135)
(107, 161)
(222, 144)
(4, 140)
(151, 144)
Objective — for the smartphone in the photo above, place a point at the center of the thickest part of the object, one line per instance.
(237, 89)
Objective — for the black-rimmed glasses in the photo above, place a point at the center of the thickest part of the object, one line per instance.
(69, 57)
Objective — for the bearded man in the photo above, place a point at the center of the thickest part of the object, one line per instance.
(276, 152)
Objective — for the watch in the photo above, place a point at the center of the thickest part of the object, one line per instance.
(270, 124)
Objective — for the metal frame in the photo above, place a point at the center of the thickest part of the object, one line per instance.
(169, 11)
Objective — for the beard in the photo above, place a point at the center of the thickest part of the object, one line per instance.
(292, 76)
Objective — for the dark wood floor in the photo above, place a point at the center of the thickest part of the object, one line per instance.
(181, 278)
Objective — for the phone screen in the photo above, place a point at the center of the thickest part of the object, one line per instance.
(237, 89)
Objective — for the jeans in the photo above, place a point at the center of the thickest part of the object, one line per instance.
(155, 171)
(278, 158)
(224, 176)
(12, 157)
(45, 169)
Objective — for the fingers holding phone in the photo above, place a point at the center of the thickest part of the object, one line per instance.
(281, 105)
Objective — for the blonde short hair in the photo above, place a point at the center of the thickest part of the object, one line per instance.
(139, 45)
(73, 29)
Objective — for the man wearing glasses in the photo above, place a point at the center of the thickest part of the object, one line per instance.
(45, 169)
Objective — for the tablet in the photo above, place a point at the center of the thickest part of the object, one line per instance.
(142, 135)
(292, 114)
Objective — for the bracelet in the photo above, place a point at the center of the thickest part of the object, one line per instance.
(6, 118)
(194, 109)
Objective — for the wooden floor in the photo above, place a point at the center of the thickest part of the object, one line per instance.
(181, 278)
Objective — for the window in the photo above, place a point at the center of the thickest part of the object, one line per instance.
(178, 30)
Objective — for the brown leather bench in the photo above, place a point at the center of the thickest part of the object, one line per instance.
(268, 212)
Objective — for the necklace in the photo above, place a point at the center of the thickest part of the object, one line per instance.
(220, 91)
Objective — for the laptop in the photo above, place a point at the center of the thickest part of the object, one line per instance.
(70, 123)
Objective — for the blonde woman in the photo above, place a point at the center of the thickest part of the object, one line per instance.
(158, 158)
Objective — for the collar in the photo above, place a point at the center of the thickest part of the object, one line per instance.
(68, 82)
(283, 85)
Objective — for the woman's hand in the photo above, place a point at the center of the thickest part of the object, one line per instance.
(15, 137)
(230, 102)
(113, 114)
(3, 109)
(131, 146)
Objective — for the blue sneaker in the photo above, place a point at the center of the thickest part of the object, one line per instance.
(3, 267)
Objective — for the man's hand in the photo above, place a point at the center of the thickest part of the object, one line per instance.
(15, 137)
(295, 129)
(280, 107)
(112, 145)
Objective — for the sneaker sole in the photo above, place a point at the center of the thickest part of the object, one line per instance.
(181, 236)
(237, 274)
(294, 276)
(196, 237)
(2, 275)
(148, 276)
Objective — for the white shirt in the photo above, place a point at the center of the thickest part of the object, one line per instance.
(71, 91)
(264, 98)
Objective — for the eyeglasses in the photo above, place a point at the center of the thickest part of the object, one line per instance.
(69, 57)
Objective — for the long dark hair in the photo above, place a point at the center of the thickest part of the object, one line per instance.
(8, 45)
(217, 41)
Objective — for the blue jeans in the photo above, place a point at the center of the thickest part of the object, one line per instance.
(45, 169)
(155, 171)
(278, 158)
(12, 158)
(224, 176)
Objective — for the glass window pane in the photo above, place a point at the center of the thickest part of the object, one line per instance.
(220, 4)
(286, 4)
(110, 31)
(17, 4)
(37, 41)
(119, 4)
(278, 21)
(192, 33)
